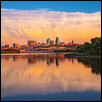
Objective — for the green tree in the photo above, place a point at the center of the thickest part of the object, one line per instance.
(92, 40)
(93, 49)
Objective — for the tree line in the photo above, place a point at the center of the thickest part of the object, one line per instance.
(93, 48)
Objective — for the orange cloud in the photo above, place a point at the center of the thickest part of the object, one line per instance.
(42, 24)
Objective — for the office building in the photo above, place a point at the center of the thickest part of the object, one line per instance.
(7, 46)
(15, 45)
(69, 43)
(48, 41)
(57, 40)
(31, 43)
(62, 43)
(52, 42)
(72, 42)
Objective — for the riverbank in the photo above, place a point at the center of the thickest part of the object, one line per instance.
(36, 51)
(3, 52)
(81, 55)
(69, 54)
(22, 51)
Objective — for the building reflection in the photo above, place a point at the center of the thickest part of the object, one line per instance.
(71, 59)
(62, 59)
(21, 78)
(52, 60)
(33, 59)
(15, 58)
(43, 59)
(48, 61)
(95, 64)
(7, 58)
(57, 62)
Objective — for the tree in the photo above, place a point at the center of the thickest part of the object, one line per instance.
(93, 49)
(92, 40)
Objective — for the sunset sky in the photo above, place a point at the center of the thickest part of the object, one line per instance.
(38, 20)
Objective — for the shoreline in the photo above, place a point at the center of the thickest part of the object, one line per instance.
(69, 55)
(36, 51)
(27, 52)
(87, 56)
(80, 56)
(9, 52)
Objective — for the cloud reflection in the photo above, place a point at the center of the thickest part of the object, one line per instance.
(26, 74)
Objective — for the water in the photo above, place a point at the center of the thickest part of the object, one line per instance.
(49, 77)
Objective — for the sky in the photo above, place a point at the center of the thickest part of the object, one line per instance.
(38, 20)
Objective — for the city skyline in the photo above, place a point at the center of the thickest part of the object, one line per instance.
(34, 43)
(69, 22)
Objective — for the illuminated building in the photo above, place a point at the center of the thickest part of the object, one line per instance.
(47, 44)
(52, 42)
(19, 46)
(15, 45)
(57, 40)
(58, 43)
(7, 46)
(30, 42)
(69, 43)
(43, 44)
(62, 43)
(48, 41)
(72, 42)
(38, 44)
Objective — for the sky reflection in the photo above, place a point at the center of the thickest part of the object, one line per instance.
(42, 74)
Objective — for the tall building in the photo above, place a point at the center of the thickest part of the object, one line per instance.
(57, 40)
(7, 46)
(48, 41)
(62, 43)
(15, 45)
(72, 42)
(30, 42)
(52, 42)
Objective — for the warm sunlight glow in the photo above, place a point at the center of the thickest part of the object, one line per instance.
(40, 78)
(20, 25)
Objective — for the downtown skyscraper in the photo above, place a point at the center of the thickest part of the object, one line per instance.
(57, 40)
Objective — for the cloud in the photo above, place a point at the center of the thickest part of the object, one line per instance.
(43, 23)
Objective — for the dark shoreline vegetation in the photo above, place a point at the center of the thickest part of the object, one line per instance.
(65, 50)
(92, 49)
(8, 51)
(79, 55)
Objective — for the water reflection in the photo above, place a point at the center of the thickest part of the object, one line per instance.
(57, 62)
(33, 59)
(47, 74)
(95, 64)
(7, 58)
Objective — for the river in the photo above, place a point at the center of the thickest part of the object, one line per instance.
(49, 77)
